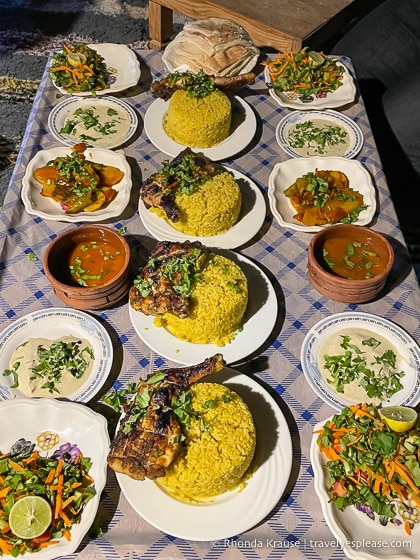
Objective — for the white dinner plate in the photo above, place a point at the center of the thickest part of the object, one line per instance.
(407, 348)
(344, 95)
(52, 324)
(65, 110)
(122, 64)
(251, 218)
(349, 149)
(260, 318)
(73, 423)
(244, 126)
(285, 174)
(360, 537)
(234, 512)
(49, 209)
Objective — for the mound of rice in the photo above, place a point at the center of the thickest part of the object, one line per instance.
(217, 305)
(211, 209)
(198, 122)
(219, 446)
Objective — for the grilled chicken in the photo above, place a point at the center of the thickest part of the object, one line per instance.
(150, 433)
(165, 88)
(160, 189)
(164, 283)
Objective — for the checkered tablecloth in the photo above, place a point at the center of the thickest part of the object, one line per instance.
(282, 255)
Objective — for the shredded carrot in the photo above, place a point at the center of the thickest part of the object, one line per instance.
(46, 544)
(401, 470)
(50, 477)
(67, 535)
(33, 457)
(16, 466)
(64, 517)
(67, 502)
(58, 502)
(5, 547)
(5, 491)
(59, 468)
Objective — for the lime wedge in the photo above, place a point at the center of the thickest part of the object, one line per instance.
(316, 57)
(399, 418)
(30, 517)
(76, 59)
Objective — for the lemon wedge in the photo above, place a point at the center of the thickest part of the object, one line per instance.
(76, 59)
(398, 418)
(316, 57)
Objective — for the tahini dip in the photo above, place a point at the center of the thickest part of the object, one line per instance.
(330, 150)
(98, 125)
(332, 347)
(26, 355)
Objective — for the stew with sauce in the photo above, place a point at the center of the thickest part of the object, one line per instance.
(349, 259)
(92, 263)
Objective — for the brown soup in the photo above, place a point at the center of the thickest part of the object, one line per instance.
(351, 259)
(91, 263)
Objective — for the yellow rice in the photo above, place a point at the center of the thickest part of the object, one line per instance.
(217, 305)
(198, 123)
(219, 446)
(211, 209)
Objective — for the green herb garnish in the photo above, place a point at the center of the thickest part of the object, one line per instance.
(50, 363)
(182, 272)
(306, 135)
(353, 365)
(197, 85)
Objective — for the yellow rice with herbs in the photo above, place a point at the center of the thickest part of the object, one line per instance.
(198, 122)
(217, 305)
(213, 208)
(219, 446)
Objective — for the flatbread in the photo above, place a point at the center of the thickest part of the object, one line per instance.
(218, 46)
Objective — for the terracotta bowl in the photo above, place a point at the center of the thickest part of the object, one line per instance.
(112, 254)
(333, 248)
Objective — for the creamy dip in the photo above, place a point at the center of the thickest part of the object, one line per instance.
(98, 125)
(353, 392)
(26, 356)
(309, 147)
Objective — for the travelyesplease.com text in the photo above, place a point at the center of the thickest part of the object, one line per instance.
(310, 543)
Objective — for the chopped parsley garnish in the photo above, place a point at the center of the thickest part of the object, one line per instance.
(182, 272)
(187, 175)
(319, 139)
(50, 363)
(90, 120)
(353, 365)
(197, 85)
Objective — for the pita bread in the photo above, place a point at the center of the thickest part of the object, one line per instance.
(218, 46)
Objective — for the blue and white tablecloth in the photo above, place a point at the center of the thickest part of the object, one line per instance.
(282, 254)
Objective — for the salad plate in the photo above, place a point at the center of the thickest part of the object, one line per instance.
(121, 63)
(49, 209)
(344, 95)
(71, 423)
(260, 318)
(234, 512)
(406, 348)
(348, 148)
(285, 174)
(52, 324)
(251, 218)
(360, 537)
(244, 126)
(106, 109)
